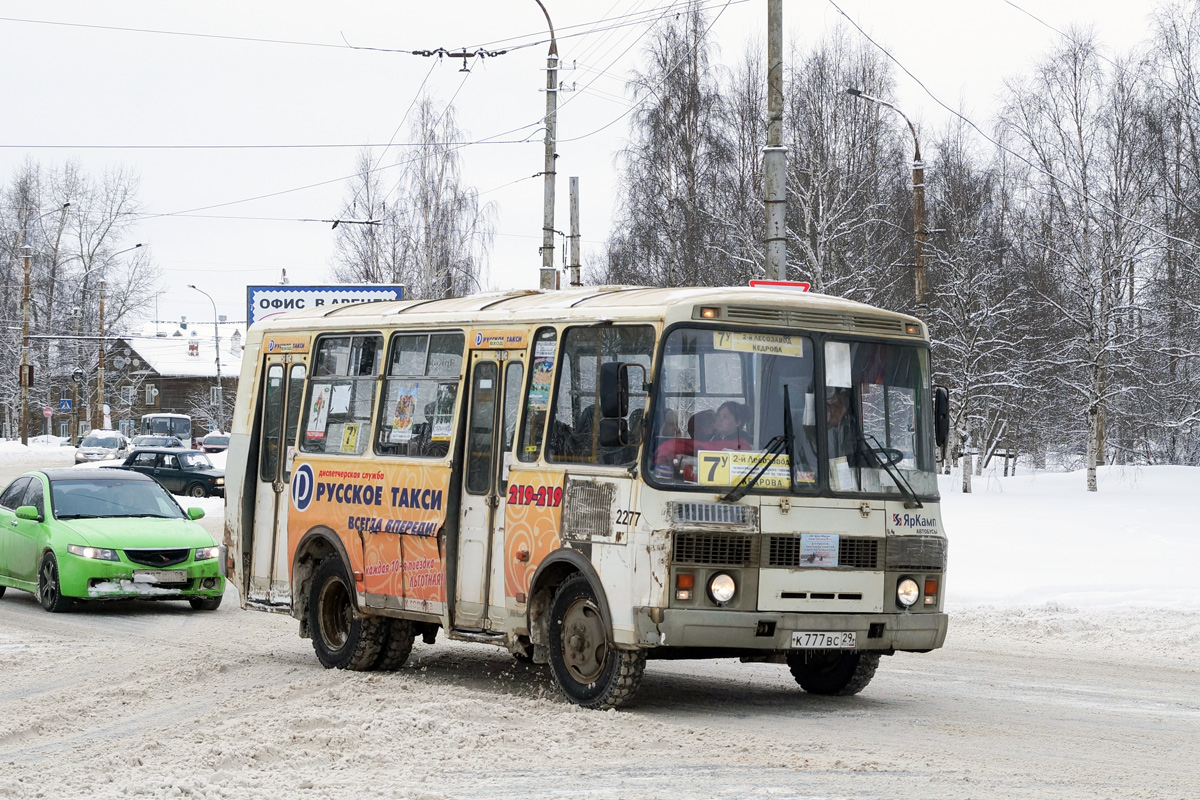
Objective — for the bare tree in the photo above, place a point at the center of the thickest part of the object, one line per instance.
(434, 236)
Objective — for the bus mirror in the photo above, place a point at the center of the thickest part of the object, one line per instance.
(614, 432)
(941, 415)
(614, 390)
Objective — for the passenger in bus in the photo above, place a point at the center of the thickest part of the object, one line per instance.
(728, 429)
(840, 424)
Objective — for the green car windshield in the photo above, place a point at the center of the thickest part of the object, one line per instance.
(84, 499)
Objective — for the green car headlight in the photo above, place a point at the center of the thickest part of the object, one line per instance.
(102, 553)
(205, 553)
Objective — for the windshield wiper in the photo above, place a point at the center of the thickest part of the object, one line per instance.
(873, 448)
(775, 448)
(78, 516)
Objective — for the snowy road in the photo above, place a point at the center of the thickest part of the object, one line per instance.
(1044, 700)
(159, 700)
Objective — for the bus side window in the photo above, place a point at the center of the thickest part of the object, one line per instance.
(272, 405)
(577, 398)
(295, 394)
(416, 416)
(341, 394)
(537, 396)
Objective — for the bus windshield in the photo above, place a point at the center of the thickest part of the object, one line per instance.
(720, 402)
(166, 425)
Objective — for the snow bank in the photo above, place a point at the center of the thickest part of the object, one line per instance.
(1043, 538)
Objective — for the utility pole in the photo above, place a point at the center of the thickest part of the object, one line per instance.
(775, 154)
(921, 306)
(26, 370)
(25, 376)
(549, 275)
(575, 233)
(99, 412)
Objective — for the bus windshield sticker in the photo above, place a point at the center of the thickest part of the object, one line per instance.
(350, 437)
(766, 343)
(402, 418)
(726, 468)
(819, 550)
(318, 415)
(544, 349)
(837, 365)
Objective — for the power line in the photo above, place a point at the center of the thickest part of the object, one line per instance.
(226, 37)
(1078, 192)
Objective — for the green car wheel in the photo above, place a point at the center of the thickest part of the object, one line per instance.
(49, 590)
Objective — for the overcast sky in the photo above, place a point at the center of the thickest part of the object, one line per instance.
(68, 86)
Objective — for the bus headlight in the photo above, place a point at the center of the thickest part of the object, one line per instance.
(721, 587)
(907, 592)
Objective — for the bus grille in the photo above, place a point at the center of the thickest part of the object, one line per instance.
(711, 514)
(916, 553)
(587, 510)
(812, 318)
(784, 551)
(732, 549)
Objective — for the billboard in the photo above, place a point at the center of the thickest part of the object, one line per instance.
(267, 301)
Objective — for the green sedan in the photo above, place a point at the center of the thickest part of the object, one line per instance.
(69, 534)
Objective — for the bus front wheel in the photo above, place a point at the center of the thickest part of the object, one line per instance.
(341, 637)
(833, 672)
(588, 669)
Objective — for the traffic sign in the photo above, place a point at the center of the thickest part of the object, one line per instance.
(47, 412)
(64, 404)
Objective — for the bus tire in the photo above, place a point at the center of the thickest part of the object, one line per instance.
(833, 672)
(587, 668)
(397, 644)
(341, 637)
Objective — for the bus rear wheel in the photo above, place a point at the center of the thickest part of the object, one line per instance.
(342, 638)
(833, 672)
(397, 644)
(587, 668)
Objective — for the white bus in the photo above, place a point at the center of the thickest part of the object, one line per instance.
(593, 478)
(179, 425)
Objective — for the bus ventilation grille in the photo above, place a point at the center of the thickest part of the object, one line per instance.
(587, 510)
(925, 553)
(825, 320)
(732, 549)
(711, 514)
(784, 551)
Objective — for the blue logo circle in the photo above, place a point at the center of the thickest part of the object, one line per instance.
(271, 346)
(478, 339)
(302, 487)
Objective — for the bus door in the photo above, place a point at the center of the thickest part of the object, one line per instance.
(495, 393)
(282, 395)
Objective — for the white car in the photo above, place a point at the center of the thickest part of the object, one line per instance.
(102, 446)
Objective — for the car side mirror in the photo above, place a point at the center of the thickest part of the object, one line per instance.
(195, 513)
(28, 512)
(941, 415)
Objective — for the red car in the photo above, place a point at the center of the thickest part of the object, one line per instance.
(215, 442)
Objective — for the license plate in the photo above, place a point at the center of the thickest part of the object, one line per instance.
(807, 640)
(160, 575)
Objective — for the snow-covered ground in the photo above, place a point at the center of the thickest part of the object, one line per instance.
(1070, 671)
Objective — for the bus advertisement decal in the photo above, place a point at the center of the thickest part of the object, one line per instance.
(499, 340)
(391, 513)
(531, 529)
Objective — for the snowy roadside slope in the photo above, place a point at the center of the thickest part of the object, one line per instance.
(1042, 538)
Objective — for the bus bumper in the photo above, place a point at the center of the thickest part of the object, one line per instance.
(749, 630)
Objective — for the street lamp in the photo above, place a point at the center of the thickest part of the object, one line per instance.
(26, 371)
(100, 362)
(919, 231)
(217, 341)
